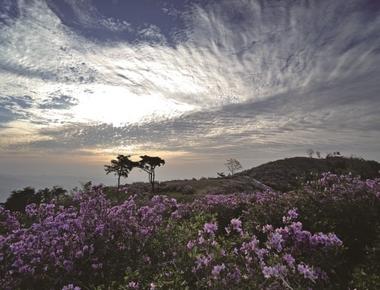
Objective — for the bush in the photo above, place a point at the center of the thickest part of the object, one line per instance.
(237, 241)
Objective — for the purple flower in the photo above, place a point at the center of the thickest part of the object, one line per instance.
(261, 253)
(307, 272)
(201, 240)
(291, 216)
(203, 261)
(31, 209)
(370, 183)
(251, 246)
(267, 228)
(78, 254)
(236, 225)
(190, 244)
(273, 271)
(75, 239)
(216, 270)
(68, 265)
(133, 285)
(71, 287)
(289, 260)
(235, 275)
(276, 241)
(210, 228)
(97, 266)
(329, 240)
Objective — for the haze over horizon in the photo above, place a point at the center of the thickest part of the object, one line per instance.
(194, 82)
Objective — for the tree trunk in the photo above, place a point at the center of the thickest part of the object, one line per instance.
(153, 178)
(118, 182)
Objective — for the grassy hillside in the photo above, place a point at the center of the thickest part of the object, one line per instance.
(283, 175)
(287, 174)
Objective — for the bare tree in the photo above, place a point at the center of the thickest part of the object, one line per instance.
(233, 165)
(318, 154)
(310, 152)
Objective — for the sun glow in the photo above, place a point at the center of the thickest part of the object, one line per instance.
(118, 106)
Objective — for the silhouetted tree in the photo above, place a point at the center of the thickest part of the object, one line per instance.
(318, 154)
(121, 166)
(21, 198)
(149, 164)
(233, 165)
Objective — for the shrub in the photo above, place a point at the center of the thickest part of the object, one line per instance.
(323, 236)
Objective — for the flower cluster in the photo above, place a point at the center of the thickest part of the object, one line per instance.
(8, 221)
(243, 260)
(66, 244)
(236, 241)
(340, 187)
(235, 200)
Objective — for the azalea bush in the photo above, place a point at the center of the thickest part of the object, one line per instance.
(205, 256)
(261, 240)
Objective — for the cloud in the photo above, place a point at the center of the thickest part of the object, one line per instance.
(14, 108)
(58, 103)
(6, 116)
(23, 102)
(242, 75)
(320, 117)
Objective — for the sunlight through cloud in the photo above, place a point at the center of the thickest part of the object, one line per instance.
(117, 106)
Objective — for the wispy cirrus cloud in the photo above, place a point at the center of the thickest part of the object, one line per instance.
(299, 119)
(230, 77)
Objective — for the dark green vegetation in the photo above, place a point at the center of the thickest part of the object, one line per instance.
(20, 198)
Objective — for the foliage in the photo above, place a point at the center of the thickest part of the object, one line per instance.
(19, 199)
(149, 164)
(261, 240)
(343, 204)
(121, 166)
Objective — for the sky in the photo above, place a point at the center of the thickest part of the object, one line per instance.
(194, 82)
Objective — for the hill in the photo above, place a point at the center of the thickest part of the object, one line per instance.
(286, 174)
(283, 175)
